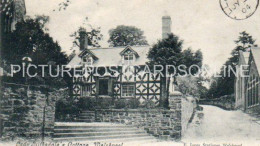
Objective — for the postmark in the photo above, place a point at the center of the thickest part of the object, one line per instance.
(239, 9)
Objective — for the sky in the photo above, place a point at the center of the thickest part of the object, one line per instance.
(200, 23)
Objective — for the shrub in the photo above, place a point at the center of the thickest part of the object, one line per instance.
(133, 103)
(104, 103)
(149, 104)
(66, 109)
(86, 104)
(120, 103)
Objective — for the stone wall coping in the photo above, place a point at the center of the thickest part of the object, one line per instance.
(189, 98)
(135, 110)
(175, 93)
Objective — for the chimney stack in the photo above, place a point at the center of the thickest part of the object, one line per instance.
(166, 26)
(83, 40)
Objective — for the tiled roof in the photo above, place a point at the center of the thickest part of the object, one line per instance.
(244, 57)
(112, 57)
(256, 55)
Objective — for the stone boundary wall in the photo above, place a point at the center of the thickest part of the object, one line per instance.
(22, 112)
(164, 124)
(225, 102)
(188, 109)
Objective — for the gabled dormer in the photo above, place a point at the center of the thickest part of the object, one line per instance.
(87, 57)
(128, 55)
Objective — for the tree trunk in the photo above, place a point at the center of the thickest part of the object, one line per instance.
(167, 92)
(165, 83)
(163, 91)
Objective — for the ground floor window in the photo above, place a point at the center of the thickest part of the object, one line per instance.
(128, 90)
(253, 92)
(257, 93)
(86, 90)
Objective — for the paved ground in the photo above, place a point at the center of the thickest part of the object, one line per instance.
(219, 126)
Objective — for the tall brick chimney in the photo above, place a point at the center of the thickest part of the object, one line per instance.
(83, 40)
(166, 26)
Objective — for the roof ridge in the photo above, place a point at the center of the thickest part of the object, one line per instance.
(256, 57)
(118, 47)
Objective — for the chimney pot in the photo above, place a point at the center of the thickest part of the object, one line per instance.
(166, 26)
(83, 40)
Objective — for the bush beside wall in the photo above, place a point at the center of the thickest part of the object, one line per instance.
(226, 102)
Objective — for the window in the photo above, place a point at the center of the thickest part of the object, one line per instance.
(86, 90)
(128, 90)
(241, 88)
(87, 60)
(129, 57)
(257, 90)
(248, 96)
(253, 94)
(257, 93)
(253, 91)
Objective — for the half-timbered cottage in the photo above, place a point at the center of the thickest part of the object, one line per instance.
(118, 72)
(127, 81)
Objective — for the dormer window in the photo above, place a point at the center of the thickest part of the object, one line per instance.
(87, 57)
(129, 57)
(87, 60)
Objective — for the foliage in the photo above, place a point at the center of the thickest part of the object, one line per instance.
(190, 58)
(224, 85)
(63, 5)
(66, 109)
(94, 36)
(126, 35)
(86, 104)
(193, 86)
(166, 52)
(148, 104)
(245, 40)
(169, 52)
(104, 103)
(30, 40)
(188, 85)
(120, 103)
(42, 20)
(132, 103)
(226, 102)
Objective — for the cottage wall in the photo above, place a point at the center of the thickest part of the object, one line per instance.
(253, 90)
(147, 86)
(240, 82)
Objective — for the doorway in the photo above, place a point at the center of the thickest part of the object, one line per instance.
(103, 87)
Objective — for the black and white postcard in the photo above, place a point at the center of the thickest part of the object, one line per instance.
(130, 73)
